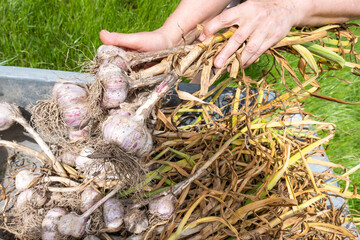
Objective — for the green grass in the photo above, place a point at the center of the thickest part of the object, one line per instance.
(61, 34)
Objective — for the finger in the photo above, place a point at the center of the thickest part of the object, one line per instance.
(265, 46)
(265, 41)
(254, 46)
(232, 45)
(223, 20)
(119, 39)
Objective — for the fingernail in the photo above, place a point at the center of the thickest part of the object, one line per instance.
(220, 61)
(106, 31)
(202, 37)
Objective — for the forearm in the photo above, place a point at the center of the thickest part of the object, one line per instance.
(320, 12)
(189, 13)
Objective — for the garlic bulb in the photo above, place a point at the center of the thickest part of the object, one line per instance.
(34, 198)
(162, 207)
(83, 160)
(72, 224)
(49, 224)
(113, 214)
(129, 133)
(71, 99)
(113, 54)
(116, 85)
(89, 197)
(128, 129)
(24, 178)
(68, 159)
(136, 221)
(6, 116)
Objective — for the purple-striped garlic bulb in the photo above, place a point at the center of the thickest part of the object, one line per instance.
(74, 225)
(129, 132)
(114, 213)
(112, 54)
(71, 99)
(49, 224)
(116, 85)
(128, 129)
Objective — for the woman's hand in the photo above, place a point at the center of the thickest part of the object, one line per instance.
(262, 23)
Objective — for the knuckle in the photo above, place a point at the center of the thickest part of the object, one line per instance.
(251, 48)
(238, 38)
(209, 28)
(223, 19)
(206, 30)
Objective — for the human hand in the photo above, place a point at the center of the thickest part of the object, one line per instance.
(138, 42)
(262, 23)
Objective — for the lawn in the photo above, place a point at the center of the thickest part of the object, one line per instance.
(62, 34)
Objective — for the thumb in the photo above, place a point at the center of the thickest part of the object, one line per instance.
(119, 39)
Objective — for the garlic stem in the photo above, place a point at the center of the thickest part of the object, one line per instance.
(63, 180)
(38, 155)
(44, 147)
(145, 109)
(162, 67)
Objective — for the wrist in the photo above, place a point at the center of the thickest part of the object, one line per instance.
(172, 35)
(301, 11)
